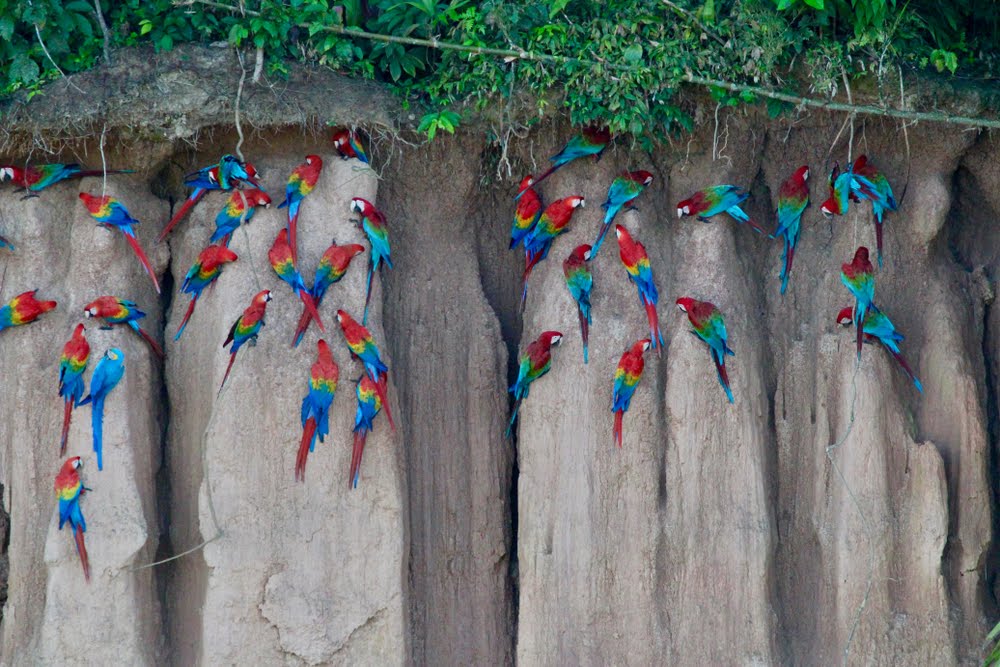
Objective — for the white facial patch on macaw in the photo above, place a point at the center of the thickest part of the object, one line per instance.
(556, 340)
(645, 346)
(681, 307)
(77, 464)
(7, 174)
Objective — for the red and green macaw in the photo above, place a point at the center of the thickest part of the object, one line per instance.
(627, 376)
(553, 222)
(302, 181)
(114, 310)
(72, 364)
(793, 199)
(533, 364)
(239, 209)
(636, 263)
(526, 213)
(878, 327)
(280, 256)
(245, 329)
(374, 225)
(205, 270)
(623, 190)
(203, 181)
(718, 199)
(580, 280)
(710, 327)
(23, 309)
(332, 267)
(316, 405)
(106, 377)
(362, 346)
(69, 490)
(859, 277)
(36, 178)
(369, 405)
(348, 145)
(871, 184)
(840, 191)
(592, 141)
(112, 213)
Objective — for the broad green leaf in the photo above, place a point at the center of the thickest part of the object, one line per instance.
(815, 4)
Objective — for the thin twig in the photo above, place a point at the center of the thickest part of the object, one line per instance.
(850, 100)
(104, 164)
(239, 96)
(104, 31)
(694, 19)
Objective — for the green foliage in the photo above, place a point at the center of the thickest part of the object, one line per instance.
(992, 645)
(619, 62)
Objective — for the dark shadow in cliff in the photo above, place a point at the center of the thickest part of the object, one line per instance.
(4, 558)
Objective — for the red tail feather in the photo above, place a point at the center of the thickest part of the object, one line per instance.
(300, 330)
(152, 342)
(381, 387)
(618, 427)
(134, 242)
(100, 172)
(878, 240)
(300, 460)
(81, 548)
(67, 416)
(187, 315)
(232, 358)
(310, 304)
(179, 215)
(584, 332)
(545, 174)
(757, 228)
(654, 326)
(529, 264)
(359, 449)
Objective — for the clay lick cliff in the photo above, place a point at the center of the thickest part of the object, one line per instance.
(831, 514)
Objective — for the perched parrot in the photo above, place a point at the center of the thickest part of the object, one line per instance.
(533, 364)
(280, 256)
(840, 192)
(709, 326)
(316, 405)
(627, 376)
(114, 310)
(369, 405)
(72, 364)
(69, 490)
(526, 213)
(793, 199)
(592, 141)
(348, 145)
(300, 183)
(23, 309)
(112, 213)
(374, 226)
(245, 329)
(580, 280)
(203, 181)
(636, 262)
(623, 190)
(554, 221)
(236, 212)
(869, 183)
(718, 199)
(362, 346)
(225, 175)
(878, 327)
(106, 377)
(332, 267)
(859, 277)
(38, 177)
(205, 270)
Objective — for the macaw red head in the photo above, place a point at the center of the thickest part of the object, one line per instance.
(257, 197)
(78, 331)
(551, 338)
(575, 201)
(684, 208)
(526, 182)
(641, 346)
(71, 466)
(340, 137)
(89, 200)
(860, 255)
(29, 298)
(218, 254)
(355, 249)
(622, 234)
(685, 304)
(99, 306)
(262, 297)
(861, 163)
(362, 206)
(597, 135)
(641, 176)
(250, 170)
(846, 316)
(802, 173)
(342, 316)
(314, 161)
(323, 350)
(582, 252)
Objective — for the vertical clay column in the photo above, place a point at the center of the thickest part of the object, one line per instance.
(310, 570)
(52, 614)
(451, 367)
